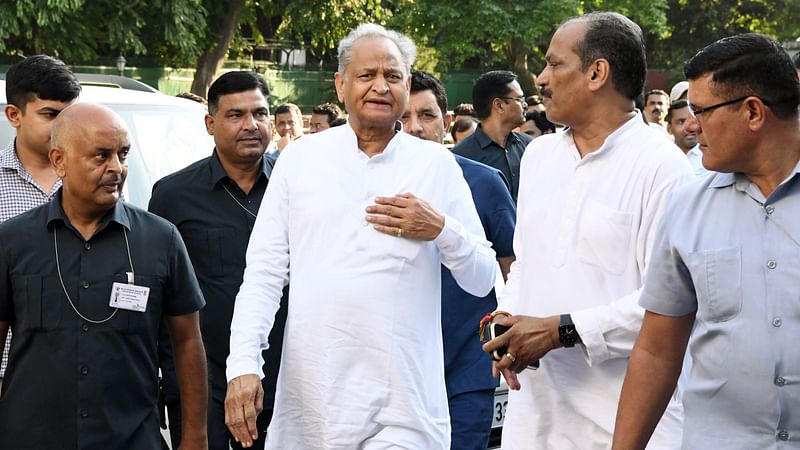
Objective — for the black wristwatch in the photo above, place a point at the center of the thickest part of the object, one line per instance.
(567, 334)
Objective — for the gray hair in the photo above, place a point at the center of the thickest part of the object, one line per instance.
(408, 51)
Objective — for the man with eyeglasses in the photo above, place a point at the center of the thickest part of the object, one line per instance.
(590, 200)
(500, 107)
(730, 283)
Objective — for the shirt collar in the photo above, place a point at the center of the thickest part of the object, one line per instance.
(118, 213)
(742, 182)
(351, 140)
(9, 158)
(616, 136)
(484, 140)
(218, 172)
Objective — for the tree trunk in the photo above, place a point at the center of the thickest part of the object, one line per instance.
(518, 59)
(211, 60)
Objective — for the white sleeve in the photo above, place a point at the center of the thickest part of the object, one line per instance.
(462, 242)
(609, 331)
(265, 275)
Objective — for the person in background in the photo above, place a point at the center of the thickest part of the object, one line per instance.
(463, 128)
(288, 125)
(38, 88)
(536, 124)
(656, 104)
(463, 111)
(500, 107)
(322, 116)
(534, 103)
(467, 369)
(214, 203)
(685, 137)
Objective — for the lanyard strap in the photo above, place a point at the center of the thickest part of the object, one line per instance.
(61, 279)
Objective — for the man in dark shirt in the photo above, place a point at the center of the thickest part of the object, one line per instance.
(214, 203)
(85, 281)
(467, 368)
(500, 106)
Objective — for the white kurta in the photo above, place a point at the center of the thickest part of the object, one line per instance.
(585, 228)
(362, 358)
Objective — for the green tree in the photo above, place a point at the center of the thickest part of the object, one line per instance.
(695, 24)
(82, 31)
(503, 34)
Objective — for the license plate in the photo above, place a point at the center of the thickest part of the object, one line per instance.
(500, 403)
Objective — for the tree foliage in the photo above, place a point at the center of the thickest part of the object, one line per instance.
(480, 34)
(81, 31)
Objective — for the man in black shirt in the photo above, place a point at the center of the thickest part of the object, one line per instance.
(85, 281)
(500, 106)
(214, 203)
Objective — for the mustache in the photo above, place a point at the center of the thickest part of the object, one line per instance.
(251, 136)
(546, 92)
(114, 179)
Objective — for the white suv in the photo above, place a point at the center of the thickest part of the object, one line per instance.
(167, 134)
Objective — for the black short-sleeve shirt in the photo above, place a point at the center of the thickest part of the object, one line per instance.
(72, 383)
(215, 218)
(480, 147)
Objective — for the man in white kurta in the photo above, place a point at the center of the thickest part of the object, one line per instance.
(362, 358)
(590, 200)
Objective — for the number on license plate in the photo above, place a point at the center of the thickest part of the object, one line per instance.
(499, 413)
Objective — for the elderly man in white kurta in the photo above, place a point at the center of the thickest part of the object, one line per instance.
(590, 199)
(343, 218)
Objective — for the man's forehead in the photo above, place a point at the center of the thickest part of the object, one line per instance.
(236, 100)
(290, 115)
(566, 38)
(421, 100)
(375, 50)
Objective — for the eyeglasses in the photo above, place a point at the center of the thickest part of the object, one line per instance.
(520, 100)
(697, 111)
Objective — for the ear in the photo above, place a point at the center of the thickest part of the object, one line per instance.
(58, 160)
(210, 124)
(13, 115)
(448, 119)
(598, 74)
(338, 80)
(756, 113)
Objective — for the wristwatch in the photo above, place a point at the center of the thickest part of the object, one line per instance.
(567, 334)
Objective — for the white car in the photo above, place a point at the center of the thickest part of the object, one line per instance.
(167, 133)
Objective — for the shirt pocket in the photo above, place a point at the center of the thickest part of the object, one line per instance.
(717, 277)
(29, 311)
(604, 237)
(205, 248)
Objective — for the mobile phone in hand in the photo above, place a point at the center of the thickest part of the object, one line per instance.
(495, 330)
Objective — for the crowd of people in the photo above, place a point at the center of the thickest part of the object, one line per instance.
(327, 290)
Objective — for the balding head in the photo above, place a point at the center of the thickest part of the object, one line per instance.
(89, 151)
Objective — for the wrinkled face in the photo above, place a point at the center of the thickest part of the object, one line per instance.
(655, 108)
(94, 164)
(562, 82)
(719, 131)
(288, 124)
(374, 86)
(319, 122)
(530, 128)
(423, 117)
(459, 136)
(34, 124)
(241, 126)
(684, 138)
